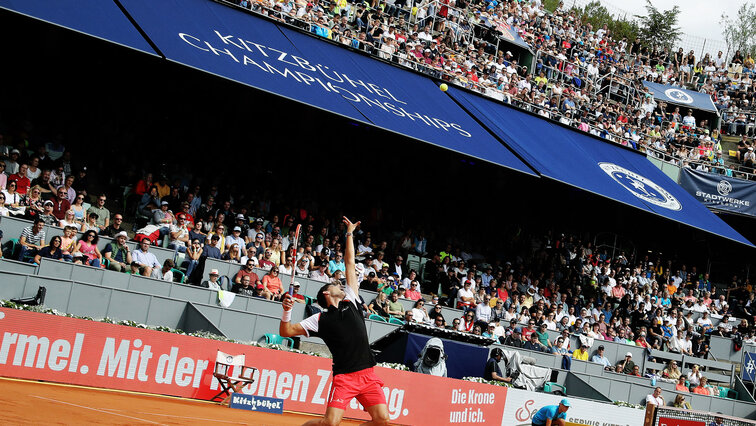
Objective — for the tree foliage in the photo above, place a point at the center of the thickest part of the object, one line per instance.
(659, 28)
(740, 32)
(597, 15)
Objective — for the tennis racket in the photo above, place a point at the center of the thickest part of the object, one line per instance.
(293, 255)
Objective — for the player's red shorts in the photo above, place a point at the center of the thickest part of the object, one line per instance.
(363, 385)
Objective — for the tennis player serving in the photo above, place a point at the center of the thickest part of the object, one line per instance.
(342, 327)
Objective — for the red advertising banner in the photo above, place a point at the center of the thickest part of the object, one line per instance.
(66, 350)
(666, 421)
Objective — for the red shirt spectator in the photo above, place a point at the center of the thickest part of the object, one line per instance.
(22, 182)
(413, 293)
(61, 204)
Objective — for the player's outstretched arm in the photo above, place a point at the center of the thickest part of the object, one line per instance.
(286, 328)
(351, 275)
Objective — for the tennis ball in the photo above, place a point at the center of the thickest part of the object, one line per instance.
(443, 87)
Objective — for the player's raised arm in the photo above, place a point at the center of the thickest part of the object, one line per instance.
(351, 275)
(286, 328)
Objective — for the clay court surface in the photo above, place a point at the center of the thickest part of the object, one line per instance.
(27, 402)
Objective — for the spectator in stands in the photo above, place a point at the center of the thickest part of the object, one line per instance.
(379, 305)
(87, 247)
(656, 398)
(3, 176)
(680, 386)
(599, 358)
(118, 254)
(33, 203)
(702, 389)
(247, 271)
(12, 197)
(465, 296)
(718, 421)
(272, 285)
(212, 249)
(68, 188)
(11, 163)
(68, 243)
(413, 293)
(163, 218)
(114, 228)
(193, 255)
(47, 214)
(32, 240)
(91, 223)
(52, 251)
(533, 344)
(235, 238)
(543, 337)
(43, 182)
(627, 363)
(103, 214)
(61, 204)
(581, 353)
(22, 182)
(336, 264)
(671, 371)
(397, 267)
(233, 254)
(145, 261)
(166, 273)
(514, 339)
(266, 261)
(178, 235)
(694, 377)
(483, 311)
(70, 219)
(244, 288)
(320, 273)
(705, 323)
(395, 307)
(3, 209)
(212, 283)
(419, 313)
(150, 201)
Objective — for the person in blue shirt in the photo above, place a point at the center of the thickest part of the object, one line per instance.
(552, 415)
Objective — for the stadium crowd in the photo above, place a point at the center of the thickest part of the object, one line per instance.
(582, 76)
(551, 282)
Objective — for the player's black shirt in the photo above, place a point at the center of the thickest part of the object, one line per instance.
(343, 330)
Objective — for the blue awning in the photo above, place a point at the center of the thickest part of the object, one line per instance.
(230, 43)
(682, 97)
(99, 18)
(594, 165)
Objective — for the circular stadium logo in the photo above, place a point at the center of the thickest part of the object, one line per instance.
(679, 96)
(724, 188)
(641, 187)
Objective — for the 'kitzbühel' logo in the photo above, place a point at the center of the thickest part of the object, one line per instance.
(641, 187)
(679, 96)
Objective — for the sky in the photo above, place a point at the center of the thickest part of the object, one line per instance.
(697, 17)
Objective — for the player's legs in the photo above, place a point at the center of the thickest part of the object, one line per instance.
(372, 397)
(332, 417)
(379, 415)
